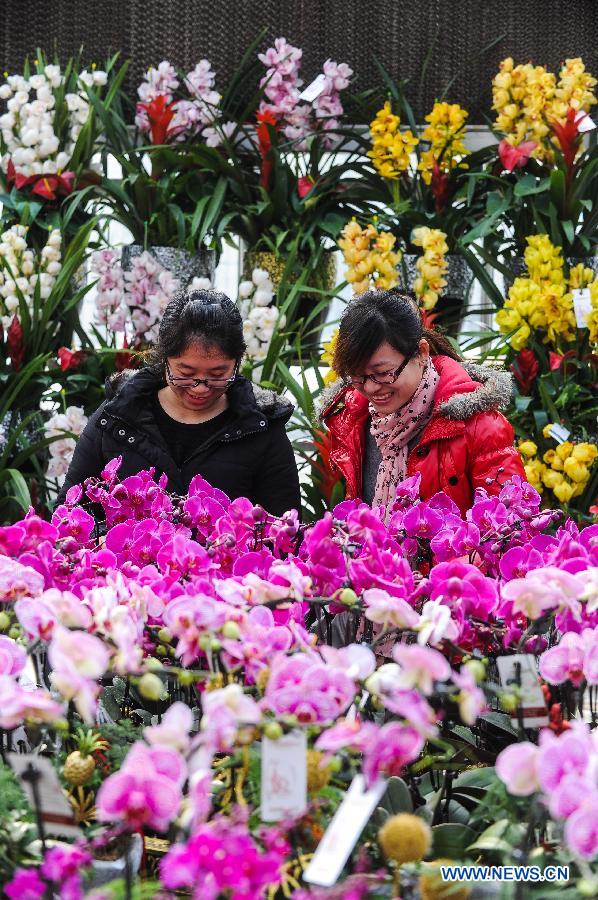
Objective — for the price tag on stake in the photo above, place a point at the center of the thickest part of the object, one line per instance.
(582, 306)
(314, 89)
(584, 122)
(520, 671)
(56, 812)
(559, 433)
(343, 832)
(284, 777)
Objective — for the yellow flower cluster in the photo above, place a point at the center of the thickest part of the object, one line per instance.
(542, 302)
(445, 132)
(528, 98)
(575, 89)
(391, 147)
(371, 260)
(432, 265)
(592, 319)
(327, 358)
(565, 470)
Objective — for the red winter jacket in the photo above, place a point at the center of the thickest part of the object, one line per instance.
(466, 444)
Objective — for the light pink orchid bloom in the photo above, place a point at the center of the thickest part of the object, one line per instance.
(420, 666)
(385, 610)
(13, 657)
(173, 730)
(17, 580)
(517, 768)
(78, 660)
(436, 624)
(18, 705)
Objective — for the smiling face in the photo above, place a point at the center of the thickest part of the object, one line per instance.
(198, 360)
(388, 398)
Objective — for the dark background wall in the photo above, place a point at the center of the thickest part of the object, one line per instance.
(398, 32)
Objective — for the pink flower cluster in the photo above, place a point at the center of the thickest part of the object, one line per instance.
(110, 308)
(574, 659)
(147, 789)
(132, 302)
(563, 770)
(282, 96)
(61, 870)
(192, 113)
(222, 857)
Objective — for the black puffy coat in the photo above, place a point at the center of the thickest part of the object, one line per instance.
(250, 457)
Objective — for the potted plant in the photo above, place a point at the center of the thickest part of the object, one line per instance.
(544, 176)
(431, 195)
(50, 134)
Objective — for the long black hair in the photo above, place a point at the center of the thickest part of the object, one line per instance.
(376, 317)
(205, 317)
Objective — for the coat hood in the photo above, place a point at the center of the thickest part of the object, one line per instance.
(125, 389)
(465, 389)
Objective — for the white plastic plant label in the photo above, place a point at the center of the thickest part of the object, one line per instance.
(559, 433)
(284, 777)
(520, 671)
(343, 832)
(582, 306)
(314, 89)
(584, 122)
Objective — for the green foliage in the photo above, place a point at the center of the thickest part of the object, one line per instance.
(16, 824)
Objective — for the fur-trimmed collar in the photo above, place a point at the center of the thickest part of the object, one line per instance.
(495, 391)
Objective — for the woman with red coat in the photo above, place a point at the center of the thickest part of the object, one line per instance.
(409, 405)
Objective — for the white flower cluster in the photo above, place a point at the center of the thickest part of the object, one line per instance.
(197, 113)
(136, 298)
(260, 316)
(27, 127)
(61, 450)
(26, 269)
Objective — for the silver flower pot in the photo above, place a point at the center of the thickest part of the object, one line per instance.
(459, 276)
(451, 306)
(184, 266)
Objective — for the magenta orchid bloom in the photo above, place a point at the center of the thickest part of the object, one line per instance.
(25, 885)
(139, 795)
(394, 747)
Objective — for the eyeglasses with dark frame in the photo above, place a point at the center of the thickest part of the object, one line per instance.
(217, 383)
(389, 377)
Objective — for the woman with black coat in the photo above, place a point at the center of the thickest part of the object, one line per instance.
(189, 413)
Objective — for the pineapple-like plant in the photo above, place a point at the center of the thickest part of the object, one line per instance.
(80, 765)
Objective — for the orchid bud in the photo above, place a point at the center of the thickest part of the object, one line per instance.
(231, 631)
(151, 687)
(153, 664)
(258, 513)
(509, 702)
(273, 731)
(165, 635)
(348, 597)
(4, 621)
(477, 669)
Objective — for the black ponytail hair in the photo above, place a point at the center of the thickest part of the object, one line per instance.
(205, 317)
(376, 317)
